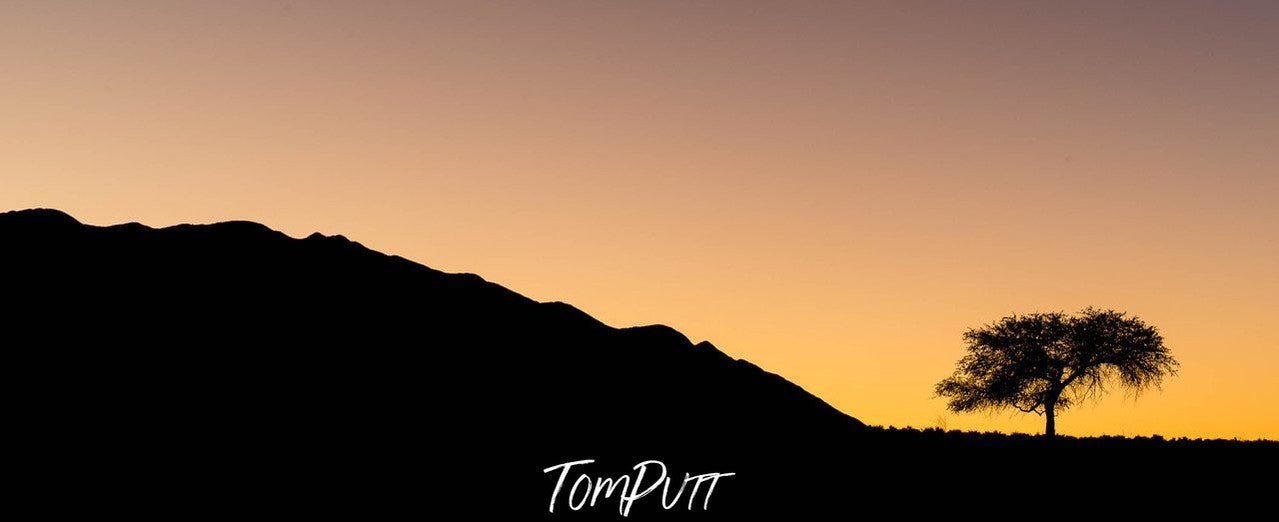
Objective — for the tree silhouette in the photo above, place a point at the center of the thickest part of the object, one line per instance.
(1045, 362)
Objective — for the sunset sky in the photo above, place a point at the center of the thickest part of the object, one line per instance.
(832, 190)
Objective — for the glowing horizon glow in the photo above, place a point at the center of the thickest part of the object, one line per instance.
(834, 192)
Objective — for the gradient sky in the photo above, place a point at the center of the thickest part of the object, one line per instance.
(833, 190)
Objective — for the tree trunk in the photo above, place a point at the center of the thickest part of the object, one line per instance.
(1050, 429)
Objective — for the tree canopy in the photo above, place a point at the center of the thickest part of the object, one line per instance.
(1045, 362)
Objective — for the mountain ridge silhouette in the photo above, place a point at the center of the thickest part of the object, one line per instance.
(657, 334)
(244, 327)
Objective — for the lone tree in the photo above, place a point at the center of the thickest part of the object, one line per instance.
(1045, 362)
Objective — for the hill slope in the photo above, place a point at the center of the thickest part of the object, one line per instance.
(196, 347)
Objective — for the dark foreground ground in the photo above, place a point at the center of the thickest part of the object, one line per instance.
(874, 474)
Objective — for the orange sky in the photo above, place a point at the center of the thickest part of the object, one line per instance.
(833, 191)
